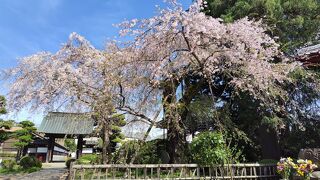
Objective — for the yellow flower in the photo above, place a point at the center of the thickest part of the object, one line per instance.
(301, 173)
(295, 166)
(309, 162)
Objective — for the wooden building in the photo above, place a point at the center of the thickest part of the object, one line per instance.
(91, 145)
(7, 146)
(39, 148)
(66, 125)
(309, 56)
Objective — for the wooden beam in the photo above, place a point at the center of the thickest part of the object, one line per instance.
(50, 148)
(79, 146)
(60, 135)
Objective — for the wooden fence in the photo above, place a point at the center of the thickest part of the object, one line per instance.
(173, 171)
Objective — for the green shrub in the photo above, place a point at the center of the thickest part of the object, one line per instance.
(29, 162)
(8, 155)
(88, 159)
(68, 162)
(149, 152)
(210, 148)
(123, 154)
(8, 164)
(38, 164)
(32, 169)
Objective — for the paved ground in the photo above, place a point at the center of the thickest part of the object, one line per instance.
(54, 165)
(51, 171)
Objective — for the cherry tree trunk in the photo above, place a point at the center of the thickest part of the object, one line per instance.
(105, 144)
(176, 131)
(176, 145)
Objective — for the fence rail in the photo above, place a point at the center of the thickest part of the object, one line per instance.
(173, 171)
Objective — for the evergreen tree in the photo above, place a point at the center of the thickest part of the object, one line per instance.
(294, 22)
(117, 136)
(24, 136)
(4, 124)
(70, 144)
(3, 105)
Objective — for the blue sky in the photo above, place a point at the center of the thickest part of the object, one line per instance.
(30, 26)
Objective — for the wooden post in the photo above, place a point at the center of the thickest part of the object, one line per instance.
(107, 173)
(113, 173)
(144, 172)
(99, 174)
(79, 146)
(83, 173)
(158, 171)
(151, 173)
(198, 172)
(72, 174)
(50, 148)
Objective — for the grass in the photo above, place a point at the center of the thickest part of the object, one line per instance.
(119, 174)
(18, 170)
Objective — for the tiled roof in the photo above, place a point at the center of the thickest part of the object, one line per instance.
(67, 123)
(308, 50)
(12, 129)
(309, 56)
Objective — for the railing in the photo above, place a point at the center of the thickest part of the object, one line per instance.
(173, 171)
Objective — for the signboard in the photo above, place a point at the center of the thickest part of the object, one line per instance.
(42, 150)
(32, 150)
(87, 150)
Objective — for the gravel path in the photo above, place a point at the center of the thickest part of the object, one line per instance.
(43, 174)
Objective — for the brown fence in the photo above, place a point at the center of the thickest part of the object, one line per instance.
(173, 171)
